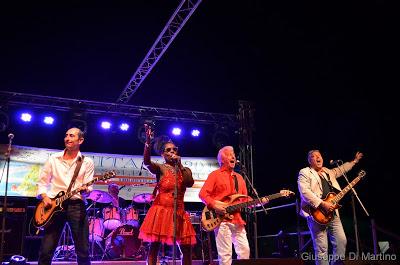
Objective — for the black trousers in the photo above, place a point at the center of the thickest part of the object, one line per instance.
(75, 214)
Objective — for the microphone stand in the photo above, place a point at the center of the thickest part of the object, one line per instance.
(175, 212)
(353, 194)
(244, 173)
(7, 155)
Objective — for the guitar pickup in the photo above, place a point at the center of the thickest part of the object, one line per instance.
(208, 215)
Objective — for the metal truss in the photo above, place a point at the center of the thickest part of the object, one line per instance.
(96, 107)
(170, 31)
(246, 152)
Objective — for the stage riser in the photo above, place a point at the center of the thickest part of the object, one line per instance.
(284, 261)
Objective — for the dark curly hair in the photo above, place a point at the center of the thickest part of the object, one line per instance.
(160, 142)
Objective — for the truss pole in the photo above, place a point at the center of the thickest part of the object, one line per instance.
(246, 151)
(164, 40)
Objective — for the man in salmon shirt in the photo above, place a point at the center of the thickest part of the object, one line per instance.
(219, 184)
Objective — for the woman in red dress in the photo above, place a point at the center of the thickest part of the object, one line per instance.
(158, 225)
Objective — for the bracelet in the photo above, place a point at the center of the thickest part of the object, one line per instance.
(147, 144)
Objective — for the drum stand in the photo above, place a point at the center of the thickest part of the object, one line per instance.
(65, 251)
(91, 235)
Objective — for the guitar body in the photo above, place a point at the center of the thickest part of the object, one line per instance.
(211, 220)
(42, 215)
(321, 216)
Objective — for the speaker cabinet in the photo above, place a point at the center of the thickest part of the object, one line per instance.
(15, 222)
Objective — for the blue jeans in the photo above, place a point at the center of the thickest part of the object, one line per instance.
(320, 234)
(75, 214)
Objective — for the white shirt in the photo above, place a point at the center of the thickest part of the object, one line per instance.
(56, 175)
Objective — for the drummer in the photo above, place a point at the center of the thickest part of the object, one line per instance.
(117, 201)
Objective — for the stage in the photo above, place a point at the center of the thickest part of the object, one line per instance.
(194, 262)
(262, 261)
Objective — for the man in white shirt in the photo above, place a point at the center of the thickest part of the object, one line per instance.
(56, 176)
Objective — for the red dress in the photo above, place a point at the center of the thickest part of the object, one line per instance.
(158, 225)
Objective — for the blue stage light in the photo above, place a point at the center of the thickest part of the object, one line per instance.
(105, 125)
(17, 260)
(124, 126)
(195, 133)
(49, 120)
(26, 117)
(176, 131)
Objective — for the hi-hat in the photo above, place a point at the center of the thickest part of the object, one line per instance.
(100, 196)
(142, 198)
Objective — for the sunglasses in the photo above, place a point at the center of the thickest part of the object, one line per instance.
(169, 149)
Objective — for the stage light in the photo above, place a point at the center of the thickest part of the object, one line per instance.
(26, 117)
(124, 126)
(4, 120)
(221, 137)
(106, 125)
(77, 123)
(195, 133)
(49, 120)
(141, 133)
(176, 131)
(17, 260)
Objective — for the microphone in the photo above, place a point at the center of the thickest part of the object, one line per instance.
(10, 136)
(334, 162)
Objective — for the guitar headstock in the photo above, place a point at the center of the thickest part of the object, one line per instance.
(361, 174)
(286, 193)
(108, 175)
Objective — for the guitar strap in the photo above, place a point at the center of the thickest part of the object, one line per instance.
(236, 183)
(78, 167)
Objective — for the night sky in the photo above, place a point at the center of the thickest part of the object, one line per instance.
(319, 75)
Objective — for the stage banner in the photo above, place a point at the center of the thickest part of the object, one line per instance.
(133, 179)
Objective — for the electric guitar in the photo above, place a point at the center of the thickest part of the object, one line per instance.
(322, 216)
(211, 220)
(42, 215)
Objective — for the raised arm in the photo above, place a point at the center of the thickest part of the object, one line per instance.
(152, 167)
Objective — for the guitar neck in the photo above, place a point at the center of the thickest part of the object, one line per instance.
(72, 193)
(236, 207)
(343, 192)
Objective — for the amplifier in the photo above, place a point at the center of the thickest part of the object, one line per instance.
(15, 221)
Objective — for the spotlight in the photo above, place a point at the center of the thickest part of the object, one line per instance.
(105, 125)
(26, 117)
(16, 260)
(49, 120)
(176, 131)
(124, 126)
(195, 133)
(78, 120)
(141, 133)
(220, 137)
(77, 123)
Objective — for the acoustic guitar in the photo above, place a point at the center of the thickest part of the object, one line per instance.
(211, 220)
(42, 215)
(324, 217)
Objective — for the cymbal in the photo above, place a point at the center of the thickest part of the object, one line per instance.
(143, 198)
(100, 196)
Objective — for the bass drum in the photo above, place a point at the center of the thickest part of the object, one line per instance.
(123, 242)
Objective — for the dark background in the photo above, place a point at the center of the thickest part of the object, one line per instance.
(320, 75)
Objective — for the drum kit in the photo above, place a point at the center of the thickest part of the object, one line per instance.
(114, 235)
